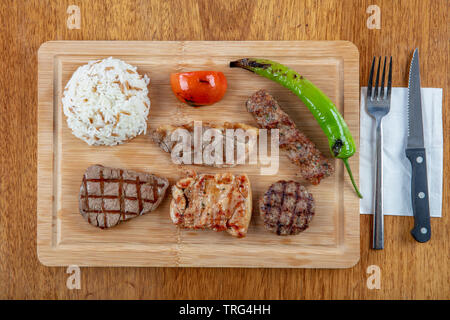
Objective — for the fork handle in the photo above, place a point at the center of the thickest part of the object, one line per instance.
(378, 219)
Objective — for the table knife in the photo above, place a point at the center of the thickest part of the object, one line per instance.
(415, 152)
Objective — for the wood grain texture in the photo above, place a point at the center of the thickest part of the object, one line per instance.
(408, 270)
(332, 240)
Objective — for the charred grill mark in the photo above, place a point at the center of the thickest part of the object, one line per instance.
(247, 63)
(337, 147)
(86, 197)
(255, 64)
(295, 214)
(283, 195)
(115, 197)
(155, 191)
(190, 102)
(138, 195)
(121, 195)
(112, 212)
(102, 188)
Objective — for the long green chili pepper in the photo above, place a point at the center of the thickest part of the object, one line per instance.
(330, 120)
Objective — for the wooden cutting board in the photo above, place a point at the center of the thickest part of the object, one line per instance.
(65, 238)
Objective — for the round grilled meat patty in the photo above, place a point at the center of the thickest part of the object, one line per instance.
(287, 208)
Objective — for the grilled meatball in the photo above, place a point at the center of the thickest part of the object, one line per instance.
(300, 150)
(287, 208)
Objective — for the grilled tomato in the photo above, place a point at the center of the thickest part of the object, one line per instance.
(199, 88)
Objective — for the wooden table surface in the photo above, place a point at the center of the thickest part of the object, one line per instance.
(409, 270)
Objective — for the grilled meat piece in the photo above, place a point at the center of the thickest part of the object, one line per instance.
(287, 208)
(300, 150)
(162, 136)
(109, 195)
(218, 202)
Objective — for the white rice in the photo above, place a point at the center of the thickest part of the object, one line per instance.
(106, 102)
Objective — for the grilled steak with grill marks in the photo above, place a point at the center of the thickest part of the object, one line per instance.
(109, 195)
(287, 208)
(301, 151)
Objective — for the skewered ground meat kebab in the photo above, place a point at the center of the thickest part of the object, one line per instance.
(301, 151)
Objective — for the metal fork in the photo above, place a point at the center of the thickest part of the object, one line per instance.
(378, 105)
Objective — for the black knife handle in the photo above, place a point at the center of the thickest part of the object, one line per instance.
(419, 194)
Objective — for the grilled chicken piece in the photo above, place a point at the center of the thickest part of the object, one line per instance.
(109, 196)
(300, 150)
(219, 202)
(287, 208)
(162, 136)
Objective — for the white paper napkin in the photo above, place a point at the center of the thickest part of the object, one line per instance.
(396, 167)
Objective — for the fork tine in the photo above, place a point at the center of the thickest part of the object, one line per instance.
(389, 86)
(369, 85)
(382, 79)
(375, 95)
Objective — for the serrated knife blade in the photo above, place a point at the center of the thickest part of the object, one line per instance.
(415, 152)
(415, 124)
